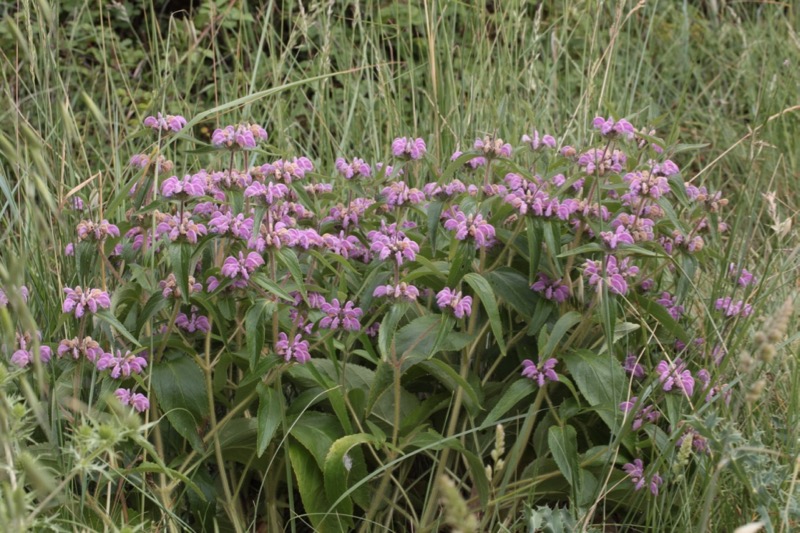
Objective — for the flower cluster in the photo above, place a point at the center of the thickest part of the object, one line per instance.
(541, 373)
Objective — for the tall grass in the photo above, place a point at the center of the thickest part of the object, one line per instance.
(343, 78)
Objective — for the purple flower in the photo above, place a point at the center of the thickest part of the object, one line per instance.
(609, 128)
(356, 168)
(451, 299)
(75, 347)
(241, 267)
(633, 368)
(346, 317)
(169, 286)
(473, 163)
(244, 136)
(551, 289)
(288, 171)
(669, 302)
(614, 275)
(409, 147)
(473, 226)
(620, 236)
(193, 323)
(492, 147)
(402, 291)
(644, 183)
(165, 123)
(346, 216)
(122, 365)
(77, 300)
(745, 278)
(225, 223)
(646, 414)
(24, 353)
(699, 443)
(177, 228)
(674, 375)
(268, 194)
(189, 186)
(136, 400)
(542, 373)
(602, 161)
(391, 242)
(731, 308)
(635, 471)
(398, 193)
(297, 349)
(537, 143)
(97, 231)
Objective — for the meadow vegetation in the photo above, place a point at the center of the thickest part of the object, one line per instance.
(382, 266)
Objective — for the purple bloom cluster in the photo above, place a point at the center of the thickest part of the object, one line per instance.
(346, 317)
(401, 291)
(551, 289)
(122, 365)
(75, 347)
(453, 300)
(612, 275)
(23, 293)
(24, 353)
(192, 322)
(242, 136)
(165, 123)
(541, 373)
(472, 226)
(673, 374)
(731, 308)
(136, 400)
(647, 414)
(635, 471)
(536, 142)
(189, 186)
(242, 266)
(391, 242)
(609, 128)
(492, 147)
(78, 300)
(409, 147)
(98, 231)
(353, 169)
(297, 348)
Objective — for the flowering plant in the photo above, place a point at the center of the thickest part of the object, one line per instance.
(347, 317)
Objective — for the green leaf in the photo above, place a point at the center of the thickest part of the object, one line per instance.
(154, 305)
(254, 321)
(451, 379)
(563, 444)
(338, 466)
(180, 259)
(552, 239)
(112, 321)
(434, 215)
(484, 291)
(292, 264)
(515, 393)
(270, 286)
(602, 382)
(514, 289)
(270, 411)
(388, 329)
(309, 482)
(564, 324)
(179, 385)
(652, 309)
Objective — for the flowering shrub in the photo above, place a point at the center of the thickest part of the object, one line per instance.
(279, 309)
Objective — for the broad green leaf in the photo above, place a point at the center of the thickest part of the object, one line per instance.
(292, 264)
(270, 411)
(316, 431)
(451, 379)
(602, 382)
(338, 467)
(179, 385)
(180, 255)
(662, 316)
(515, 393)
(154, 305)
(484, 291)
(112, 321)
(562, 326)
(552, 239)
(563, 444)
(310, 482)
(388, 329)
(254, 321)
(270, 286)
(514, 289)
